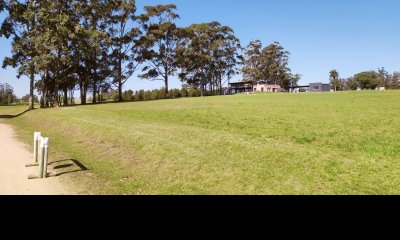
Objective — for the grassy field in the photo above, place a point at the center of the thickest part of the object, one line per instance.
(330, 143)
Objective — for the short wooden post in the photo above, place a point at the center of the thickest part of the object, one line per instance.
(36, 142)
(45, 157)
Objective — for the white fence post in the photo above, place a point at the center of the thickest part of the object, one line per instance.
(36, 142)
(41, 157)
(45, 157)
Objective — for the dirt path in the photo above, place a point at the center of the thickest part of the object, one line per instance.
(13, 173)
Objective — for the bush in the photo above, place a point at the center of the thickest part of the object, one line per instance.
(148, 95)
(194, 92)
(26, 98)
(22, 104)
(159, 94)
(184, 92)
(128, 95)
(115, 95)
(175, 93)
(141, 95)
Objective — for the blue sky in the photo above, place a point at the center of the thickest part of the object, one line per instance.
(347, 35)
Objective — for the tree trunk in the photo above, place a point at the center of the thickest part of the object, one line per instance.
(202, 90)
(71, 93)
(82, 88)
(94, 90)
(43, 90)
(56, 96)
(42, 97)
(46, 99)
(50, 99)
(42, 101)
(65, 96)
(166, 94)
(120, 96)
(31, 87)
(220, 85)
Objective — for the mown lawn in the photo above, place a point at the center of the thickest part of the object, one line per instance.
(11, 111)
(328, 143)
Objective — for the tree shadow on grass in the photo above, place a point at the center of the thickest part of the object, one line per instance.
(14, 116)
(68, 166)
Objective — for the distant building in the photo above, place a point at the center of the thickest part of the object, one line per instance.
(241, 87)
(253, 86)
(298, 89)
(264, 87)
(320, 87)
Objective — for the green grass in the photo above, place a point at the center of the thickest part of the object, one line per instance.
(9, 111)
(330, 143)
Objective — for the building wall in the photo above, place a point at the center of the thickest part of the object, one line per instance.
(240, 87)
(266, 88)
(326, 87)
(320, 87)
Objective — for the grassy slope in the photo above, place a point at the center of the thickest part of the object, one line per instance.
(332, 143)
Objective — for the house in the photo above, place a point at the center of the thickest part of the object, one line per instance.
(264, 87)
(298, 89)
(252, 87)
(241, 87)
(320, 87)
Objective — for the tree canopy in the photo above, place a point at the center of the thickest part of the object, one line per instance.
(159, 42)
(7, 95)
(269, 64)
(367, 80)
(208, 54)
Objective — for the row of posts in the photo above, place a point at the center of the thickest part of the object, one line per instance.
(41, 153)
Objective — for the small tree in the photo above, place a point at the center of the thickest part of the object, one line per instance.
(184, 92)
(128, 95)
(395, 80)
(26, 98)
(334, 79)
(351, 84)
(384, 78)
(367, 80)
(6, 94)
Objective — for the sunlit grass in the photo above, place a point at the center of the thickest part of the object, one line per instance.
(330, 143)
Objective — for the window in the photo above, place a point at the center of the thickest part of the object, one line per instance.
(316, 87)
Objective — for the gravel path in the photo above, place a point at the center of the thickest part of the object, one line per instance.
(13, 173)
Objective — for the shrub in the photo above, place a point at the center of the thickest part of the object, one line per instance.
(194, 92)
(175, 93)
(139, 95)
(184, 92)
(148, 95)
(115, 95)
(128, 95)
(160, 93)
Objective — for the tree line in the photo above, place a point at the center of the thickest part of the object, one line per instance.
(93, 46)
(368, 80)
(7, 95)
